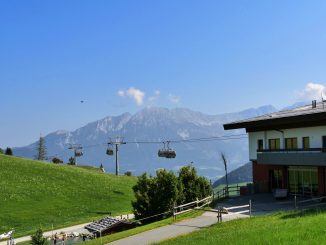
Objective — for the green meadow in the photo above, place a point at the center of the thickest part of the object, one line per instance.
(37, 194)
(296, 227)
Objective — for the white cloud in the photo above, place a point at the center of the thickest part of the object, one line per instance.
(174, 99)
(312, 91)
(121, 93)
(136, 94)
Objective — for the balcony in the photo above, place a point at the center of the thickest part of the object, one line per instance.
(294, 157)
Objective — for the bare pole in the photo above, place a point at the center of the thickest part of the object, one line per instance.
(116, 160)
(226, 173)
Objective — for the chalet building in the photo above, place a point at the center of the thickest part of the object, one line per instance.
(288, 149)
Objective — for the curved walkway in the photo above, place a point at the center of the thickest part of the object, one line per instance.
(177, 229)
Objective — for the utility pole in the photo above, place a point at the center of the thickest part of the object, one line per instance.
(118, 141)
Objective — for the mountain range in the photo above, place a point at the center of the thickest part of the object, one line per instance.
(155, 124)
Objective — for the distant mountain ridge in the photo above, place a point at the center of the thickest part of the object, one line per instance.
(238, 175)
(155, 124)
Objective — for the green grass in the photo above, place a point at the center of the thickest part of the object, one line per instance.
(301, 227)
(127, 233)
(35, 194)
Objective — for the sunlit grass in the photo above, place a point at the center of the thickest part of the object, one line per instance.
(35, 194)
(280, 228)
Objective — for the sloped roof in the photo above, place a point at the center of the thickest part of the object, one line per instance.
(303, 116)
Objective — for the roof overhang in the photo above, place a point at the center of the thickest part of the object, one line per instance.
(298, 121)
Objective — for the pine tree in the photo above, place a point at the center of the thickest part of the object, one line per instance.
(41, 149)
(8, 151)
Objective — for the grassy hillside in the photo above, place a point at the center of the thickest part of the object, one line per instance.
(280, 228)
(34, 194)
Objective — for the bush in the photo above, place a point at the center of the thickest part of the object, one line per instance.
(128, 173)
(38, 238)
(57, 160)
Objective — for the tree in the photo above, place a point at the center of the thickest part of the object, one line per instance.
(57, 160)
(1, 151)
(142, 205)
(41, 149)
(155, 195)
(38, 238)
(159, 194)
(164, 191)
(71, 161)
(226, 172)
(193, 186)
(9, 151)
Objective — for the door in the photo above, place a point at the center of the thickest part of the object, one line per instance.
(275, 179)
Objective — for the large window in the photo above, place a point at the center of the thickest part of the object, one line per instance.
(305, 143)
(303, 180)
(291, 143)
(274, 144)
(260, 145)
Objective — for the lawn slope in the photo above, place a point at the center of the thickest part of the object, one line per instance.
(34, 194)
(300, 227)
(281, 228)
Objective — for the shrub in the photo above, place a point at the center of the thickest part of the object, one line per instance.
(57, 160)
(128, 173)
(38, 238)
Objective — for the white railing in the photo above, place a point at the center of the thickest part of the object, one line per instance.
(198, 204)
(222, 210)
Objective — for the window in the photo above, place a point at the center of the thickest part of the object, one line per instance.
(274, 144)
(324, 141)
(260, 144)
(291, 143)
(305, 143)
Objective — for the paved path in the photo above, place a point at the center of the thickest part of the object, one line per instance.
(75, 228)
(177, 229)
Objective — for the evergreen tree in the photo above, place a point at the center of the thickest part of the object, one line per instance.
(8, 151)
(41, 149)
(1, 151)
(71, 161)
(38, 238)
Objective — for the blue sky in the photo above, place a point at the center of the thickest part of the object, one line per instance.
(118, 56)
